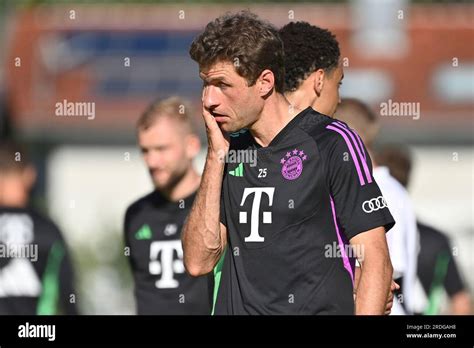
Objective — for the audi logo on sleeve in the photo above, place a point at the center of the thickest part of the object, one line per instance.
(374, 204)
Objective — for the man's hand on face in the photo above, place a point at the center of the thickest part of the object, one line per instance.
(218, 140)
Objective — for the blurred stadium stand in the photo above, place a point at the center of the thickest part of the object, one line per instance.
(84, 59)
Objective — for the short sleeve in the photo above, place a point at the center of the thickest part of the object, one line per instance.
(355, 196)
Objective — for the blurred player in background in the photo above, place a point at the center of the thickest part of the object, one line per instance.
(169, 144)
(437, 271)
(277, 217)
(403, 240)
(35, 272)
(313, 75)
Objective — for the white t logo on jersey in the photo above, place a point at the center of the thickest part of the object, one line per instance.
(166, 265)
(267, 215)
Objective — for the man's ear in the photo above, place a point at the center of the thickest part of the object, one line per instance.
(266, 82)
(318, 81)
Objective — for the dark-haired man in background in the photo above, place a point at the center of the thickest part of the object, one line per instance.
(313, 67)
(313, 75)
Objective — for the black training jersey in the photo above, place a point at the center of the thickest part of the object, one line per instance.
(437, 268)
(35, 271)
(153, 232)
(289, 219)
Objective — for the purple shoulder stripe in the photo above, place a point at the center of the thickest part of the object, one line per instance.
(359, 140)
(344, 131)
(351, 151)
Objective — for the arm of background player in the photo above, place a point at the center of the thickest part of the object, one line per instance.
(375, 273)
(204, 236)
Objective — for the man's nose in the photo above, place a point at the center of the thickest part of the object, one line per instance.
(210, 97)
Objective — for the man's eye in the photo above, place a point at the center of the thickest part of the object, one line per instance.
(223, 85)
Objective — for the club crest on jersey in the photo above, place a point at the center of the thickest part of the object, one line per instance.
(293, 164)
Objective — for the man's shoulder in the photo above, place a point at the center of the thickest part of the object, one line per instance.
(328, 133)
(314, 123)
(30, 218)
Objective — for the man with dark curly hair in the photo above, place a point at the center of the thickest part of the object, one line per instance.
(313, 75)
(313, 67)
(278, 223)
